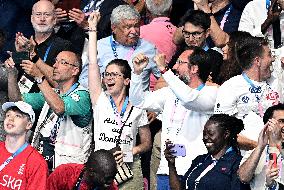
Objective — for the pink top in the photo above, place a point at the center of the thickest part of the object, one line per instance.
(160, 32)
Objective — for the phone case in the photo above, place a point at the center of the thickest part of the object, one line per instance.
(273, 156)
(68, 4)
(180, 150)
(18, 57)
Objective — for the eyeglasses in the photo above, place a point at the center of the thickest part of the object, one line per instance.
(112, 75)
(195, 35)
(64, 62)
(45, 14)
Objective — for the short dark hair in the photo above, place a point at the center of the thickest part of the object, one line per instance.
(270, 111)
(197, 18)
(247, 50)
(102, 160)
(201, 58)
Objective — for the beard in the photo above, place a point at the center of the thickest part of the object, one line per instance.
(185, 79)
(42, 29)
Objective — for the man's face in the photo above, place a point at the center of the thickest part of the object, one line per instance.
(182, 66)
(265, 63)
(65, 66)
(101, 179)
(278, 115)
(194, 35)
(43, 17)
(127, 32)
(16, 123)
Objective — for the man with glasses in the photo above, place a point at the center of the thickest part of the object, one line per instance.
(266, 160)
(63, 131)
(195, 30)
(42, 48)
(125, 43)
(185, 105)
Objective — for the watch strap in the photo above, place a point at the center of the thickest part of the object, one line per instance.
(165, 70)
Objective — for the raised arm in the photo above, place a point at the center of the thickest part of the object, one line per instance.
(14, 93)
(190, 98)
(95, 84)
(247, 169)
(152, 101)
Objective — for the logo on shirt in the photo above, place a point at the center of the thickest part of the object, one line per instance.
(245, 99)
(11, 182)
(272, 96)
(256, 89)
(21, 169)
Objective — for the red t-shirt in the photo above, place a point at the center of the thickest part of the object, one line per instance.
(28, 170)
(65, 177)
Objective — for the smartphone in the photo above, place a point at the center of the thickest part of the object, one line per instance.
(68, 5)
(18, 57)
(179, 150)
(273, 156)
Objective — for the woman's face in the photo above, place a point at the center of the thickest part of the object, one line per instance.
(225, 50)
(114, 79)
(214, 138)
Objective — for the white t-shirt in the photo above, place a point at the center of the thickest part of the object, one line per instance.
(106, 129)
(258, 181)
(235, 98)
(179, 125)
(253, 16)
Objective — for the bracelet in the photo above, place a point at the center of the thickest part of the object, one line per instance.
(92, 30)
(165, 70)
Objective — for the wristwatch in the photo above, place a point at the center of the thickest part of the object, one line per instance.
(39, 80)
(165, 70)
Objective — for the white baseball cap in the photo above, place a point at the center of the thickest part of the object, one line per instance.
(23, 106)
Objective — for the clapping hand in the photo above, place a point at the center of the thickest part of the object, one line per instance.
(140, 61)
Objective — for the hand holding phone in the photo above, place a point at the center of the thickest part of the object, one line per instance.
(179, 150)
(273, 156)
(18, 57)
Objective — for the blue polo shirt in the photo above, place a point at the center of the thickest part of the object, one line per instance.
(223, 176)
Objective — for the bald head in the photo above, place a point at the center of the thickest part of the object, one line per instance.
(45, 4)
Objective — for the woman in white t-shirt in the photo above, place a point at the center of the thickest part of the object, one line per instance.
(113, 113)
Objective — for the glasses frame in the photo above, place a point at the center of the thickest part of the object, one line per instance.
(195, 35)
(64, 62)
(112, 75)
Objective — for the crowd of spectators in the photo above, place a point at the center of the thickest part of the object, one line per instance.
(142, 94)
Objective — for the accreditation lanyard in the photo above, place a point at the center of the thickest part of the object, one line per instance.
(224, 19)
(209, 168)
(53, 133)
(46, 53)
(255, 89)
(21, 149)
(115, 110)
(267, 4)
(114, 50)
(183, 114)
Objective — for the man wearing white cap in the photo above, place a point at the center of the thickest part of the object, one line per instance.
(21, 166)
